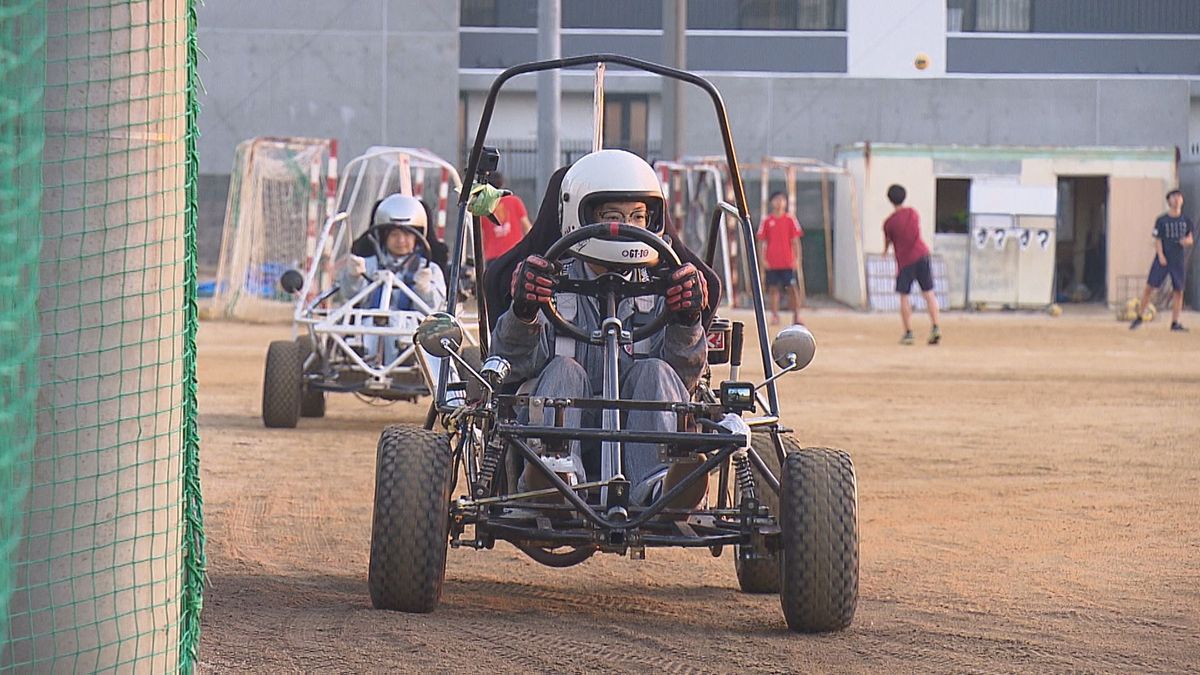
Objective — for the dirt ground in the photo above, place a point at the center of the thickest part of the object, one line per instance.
(1029, 494)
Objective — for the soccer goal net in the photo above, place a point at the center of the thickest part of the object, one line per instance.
(281, 191)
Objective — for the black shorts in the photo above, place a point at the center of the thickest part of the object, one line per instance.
(1158, 273)
(781, 278)
(919, 272)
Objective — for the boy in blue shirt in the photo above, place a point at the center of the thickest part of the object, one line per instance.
(1173, 235)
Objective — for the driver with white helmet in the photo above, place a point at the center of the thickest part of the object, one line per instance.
(608, 186)
(397, 242)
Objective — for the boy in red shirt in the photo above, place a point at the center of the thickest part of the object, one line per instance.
(782, 252)
(902, 229)
(511, 222)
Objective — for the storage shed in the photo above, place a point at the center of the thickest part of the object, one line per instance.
(1016, 226)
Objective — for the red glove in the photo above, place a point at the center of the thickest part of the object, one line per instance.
(687, 294)
(533, 285)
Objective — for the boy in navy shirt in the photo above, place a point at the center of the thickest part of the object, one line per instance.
(1173, 235)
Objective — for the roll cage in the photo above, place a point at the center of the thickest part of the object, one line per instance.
(739, 210)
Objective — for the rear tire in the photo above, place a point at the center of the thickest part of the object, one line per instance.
(761, 575)
(819, 518)
(411, 525)
(282, 380)
(312, 401)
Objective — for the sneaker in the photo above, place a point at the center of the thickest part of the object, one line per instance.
(907, 338)
(1136, 322)
(1175, 325)
(935, 335)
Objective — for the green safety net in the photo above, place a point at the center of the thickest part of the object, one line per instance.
(101, 539)
(22, 38)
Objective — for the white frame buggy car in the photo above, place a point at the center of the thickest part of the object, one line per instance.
(341, 344)
(789, 512)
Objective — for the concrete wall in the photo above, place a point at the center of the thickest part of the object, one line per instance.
(1189, 182)
(366, 72)
(849, 278)
(884, 38)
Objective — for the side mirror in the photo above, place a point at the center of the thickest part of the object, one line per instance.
(291, 281)
(794, 345)
(439, 334)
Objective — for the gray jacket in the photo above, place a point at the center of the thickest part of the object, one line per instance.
(529, 346)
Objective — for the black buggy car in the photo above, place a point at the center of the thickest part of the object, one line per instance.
(789, 512)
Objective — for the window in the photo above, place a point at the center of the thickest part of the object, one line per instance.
(627, 122)
(492, 13)
(702, 14)
(988, 16)
(478, 13)
(789, 14)
(612, 14)
(952, 203)
(767, 14)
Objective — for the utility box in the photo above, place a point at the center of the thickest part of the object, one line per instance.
(1010, 259)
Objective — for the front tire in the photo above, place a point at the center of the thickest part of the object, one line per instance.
(411, 525)
(282, 381)
(819, 519)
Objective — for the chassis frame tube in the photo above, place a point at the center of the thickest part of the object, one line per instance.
(650, 511)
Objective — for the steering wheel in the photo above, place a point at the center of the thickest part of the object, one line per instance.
(611, 282)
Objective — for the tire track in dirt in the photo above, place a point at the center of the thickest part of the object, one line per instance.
(563, 602)
(586, 649)
(243, 539)
(962, 641)
(315, 524)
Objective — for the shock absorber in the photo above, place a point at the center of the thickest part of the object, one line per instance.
(745, 479)
(492, 456)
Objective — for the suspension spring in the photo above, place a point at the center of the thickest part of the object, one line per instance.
(745, 479)
(487, 468)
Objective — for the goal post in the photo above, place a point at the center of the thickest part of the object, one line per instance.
(281, 191)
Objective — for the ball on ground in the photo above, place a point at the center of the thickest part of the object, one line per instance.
(1128, 311)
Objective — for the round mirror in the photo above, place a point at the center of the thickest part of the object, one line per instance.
(291, 281)
(794, 340)
(436, 331)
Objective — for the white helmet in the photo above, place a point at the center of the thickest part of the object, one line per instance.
(610, 176)
(401, 210)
